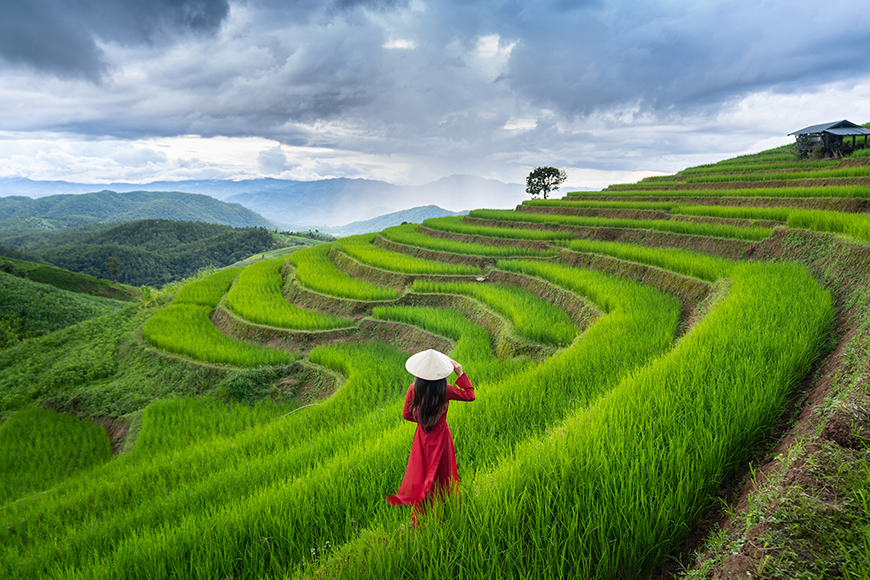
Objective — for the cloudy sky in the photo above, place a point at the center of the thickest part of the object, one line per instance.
(409, 91)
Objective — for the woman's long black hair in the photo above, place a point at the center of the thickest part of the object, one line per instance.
(429, 399)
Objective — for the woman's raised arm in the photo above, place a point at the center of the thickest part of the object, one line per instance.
(462, 391)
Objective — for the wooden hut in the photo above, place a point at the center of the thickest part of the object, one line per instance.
(830, 137)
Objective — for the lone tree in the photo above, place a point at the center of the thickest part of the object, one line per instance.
(543, 180)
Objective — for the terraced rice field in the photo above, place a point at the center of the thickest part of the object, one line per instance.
(630, 349)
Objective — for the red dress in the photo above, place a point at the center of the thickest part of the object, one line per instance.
(432, 462)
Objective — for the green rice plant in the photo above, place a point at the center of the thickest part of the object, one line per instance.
(732, 212)
(407, 234)
(779, 214)
(207, 291)
(853, 224)
(39, 447)
(375, 374)
(789, 175)
(620, 483)
(533, 318)
(187, 329)
(362, 249)
(315, 271)
(630, 190)
(642, 185)
(677, 227)
(859, 153)
(187, 421)
(686, 262)
(725, 167)
(777, 155)
(715, 177)
(457, 225)
(29, 309)
(257, 297)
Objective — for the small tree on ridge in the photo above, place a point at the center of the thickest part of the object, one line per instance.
(543, 180)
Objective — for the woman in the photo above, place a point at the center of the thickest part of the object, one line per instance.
(432, 463)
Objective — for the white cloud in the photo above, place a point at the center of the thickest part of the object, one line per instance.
(520, 124)
(401, 44)
(490, 56)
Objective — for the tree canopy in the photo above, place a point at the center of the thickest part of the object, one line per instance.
(543, 180)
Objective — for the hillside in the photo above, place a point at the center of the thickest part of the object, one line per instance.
(66, 280)
(29, 309)
(22, 215)
(148, 252)
(671, 382)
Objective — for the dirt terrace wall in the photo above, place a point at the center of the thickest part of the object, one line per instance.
(398, 280)
(489, 241)
(504, 340)
(356, 269)
(481, 262)
(829, 258)
(578, 310)
(304, 298)
(632, 214)
(690, 292)
(402, 336)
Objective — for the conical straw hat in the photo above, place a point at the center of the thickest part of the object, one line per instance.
(430, 365)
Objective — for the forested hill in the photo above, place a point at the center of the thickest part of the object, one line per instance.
(150, 252)
(61, 211)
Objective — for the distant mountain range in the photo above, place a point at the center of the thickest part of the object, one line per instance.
(70, 210)
(414, 215)
(308, 204)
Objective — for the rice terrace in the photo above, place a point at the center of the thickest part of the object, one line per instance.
(671, 382)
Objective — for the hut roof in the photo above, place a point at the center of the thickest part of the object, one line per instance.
(843, 127)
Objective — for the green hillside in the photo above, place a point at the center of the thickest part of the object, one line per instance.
(671, 382)
(66, 280)
(29, 309)
(149, 252)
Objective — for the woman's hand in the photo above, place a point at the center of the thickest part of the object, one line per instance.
(457, 368)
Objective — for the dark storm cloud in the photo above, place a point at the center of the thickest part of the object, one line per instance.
(304, 11)
(659, 56)
(61, 36)
(466, 82)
